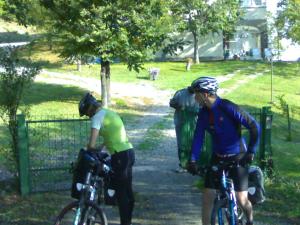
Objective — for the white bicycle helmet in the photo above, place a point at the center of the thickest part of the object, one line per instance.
(205, 84)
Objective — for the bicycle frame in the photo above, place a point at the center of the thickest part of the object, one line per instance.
(226, 195)
(229, 190)
(89, 194)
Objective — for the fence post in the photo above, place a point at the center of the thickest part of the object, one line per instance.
(265, 141)
(23, 155)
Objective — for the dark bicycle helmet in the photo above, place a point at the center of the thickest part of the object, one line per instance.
(87, 101)
(205, 84)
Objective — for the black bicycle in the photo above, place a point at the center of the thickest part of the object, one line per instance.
(226, 208)
(87, 210)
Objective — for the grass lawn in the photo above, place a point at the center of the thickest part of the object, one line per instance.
(283, 190)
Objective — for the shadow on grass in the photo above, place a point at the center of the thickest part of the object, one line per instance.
(33, 209)
(41, 92)
(44, 64)
(142, 77)
(8, 37)
(276, 208)
(287, 70)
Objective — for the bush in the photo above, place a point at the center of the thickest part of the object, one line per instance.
(15, 77)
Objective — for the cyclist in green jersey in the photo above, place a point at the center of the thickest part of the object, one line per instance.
(109, 125)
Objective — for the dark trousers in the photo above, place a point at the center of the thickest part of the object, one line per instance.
(122, 163)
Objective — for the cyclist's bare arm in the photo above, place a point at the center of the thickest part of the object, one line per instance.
(93, 139)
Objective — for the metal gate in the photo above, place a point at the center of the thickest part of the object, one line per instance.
(46, 149)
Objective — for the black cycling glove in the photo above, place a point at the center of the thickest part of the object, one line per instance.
(247, 159)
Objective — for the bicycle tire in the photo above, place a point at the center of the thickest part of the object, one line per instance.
(67, 214)
(226, 217)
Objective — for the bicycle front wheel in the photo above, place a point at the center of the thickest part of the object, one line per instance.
(92, 214)
(221, 214)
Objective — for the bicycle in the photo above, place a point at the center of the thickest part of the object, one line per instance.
(86, 210)
(226, 208)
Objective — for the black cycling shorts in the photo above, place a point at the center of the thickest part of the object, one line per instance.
(239, 175)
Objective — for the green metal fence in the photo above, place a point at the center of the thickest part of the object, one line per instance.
(46, 149)
(48, 146)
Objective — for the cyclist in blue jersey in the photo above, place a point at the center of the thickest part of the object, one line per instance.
(223, 120)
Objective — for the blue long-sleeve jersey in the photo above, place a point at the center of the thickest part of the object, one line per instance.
(223, 121)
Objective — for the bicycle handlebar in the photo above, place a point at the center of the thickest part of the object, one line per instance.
(223, 165)
(95, 159)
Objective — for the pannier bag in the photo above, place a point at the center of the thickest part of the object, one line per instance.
(109, 192)
(256, 190)
(80, 169)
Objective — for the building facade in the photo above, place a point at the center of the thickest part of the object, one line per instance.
(248, 42)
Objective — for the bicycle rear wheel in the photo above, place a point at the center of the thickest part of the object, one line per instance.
(95, 215)
(221, 215)
(241, 216)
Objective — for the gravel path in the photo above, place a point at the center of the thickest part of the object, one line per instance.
(163, 197)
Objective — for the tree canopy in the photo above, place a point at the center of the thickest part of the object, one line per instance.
(288, 19)
(204, 17)
(15, 77)
(127, 30)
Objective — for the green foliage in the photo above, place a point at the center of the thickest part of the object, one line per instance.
(282, 104)
(126, 30)
(202, 18)
(4, 14)
(129, 31)
(19, 10)
(288, 19)
(284, 107)
(1, 7)
(14, 79)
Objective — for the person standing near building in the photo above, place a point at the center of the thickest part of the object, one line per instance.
(223, 120)
(185, 116)
(109, 125)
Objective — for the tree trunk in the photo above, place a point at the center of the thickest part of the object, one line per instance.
(225, 46)
(50, 42)
(108, 83)
(196, 52)
(105, 82)
(79, 64)
(13, 130)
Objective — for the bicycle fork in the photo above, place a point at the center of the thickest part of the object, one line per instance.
(77, 216)
(232, 203)
(82, 211)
